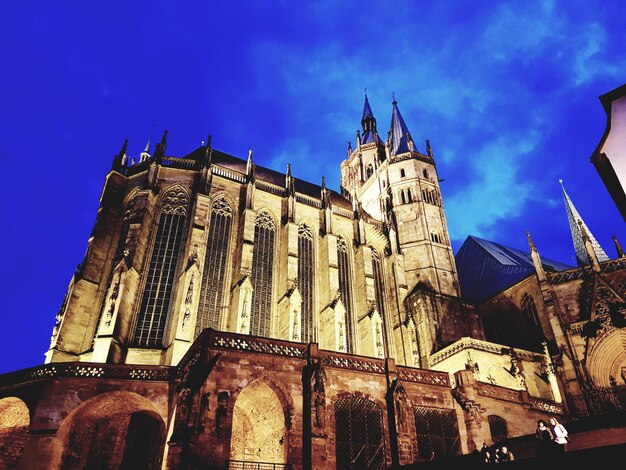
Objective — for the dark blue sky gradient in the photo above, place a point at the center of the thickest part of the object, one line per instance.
(507, 93)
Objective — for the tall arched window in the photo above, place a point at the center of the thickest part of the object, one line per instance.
(345, 287)
(379, 285)
(305, 280)
(533, 337)
(214, 272)
(530, 311)
(157, 293)
(262, 269)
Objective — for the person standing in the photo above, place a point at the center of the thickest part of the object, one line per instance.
(560, 435)
(545, 439)
(505, 455)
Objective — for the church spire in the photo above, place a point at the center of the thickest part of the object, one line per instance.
(534, 255)
(368, 123)
(399, 135)
(145, 155)
(579, 231)
(618, 248)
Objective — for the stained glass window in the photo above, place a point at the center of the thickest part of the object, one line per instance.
(262, 269)
(157, 293)
(305, 280)
(345, 287)
(214, 271)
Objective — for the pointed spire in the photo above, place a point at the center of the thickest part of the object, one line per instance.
(531, 244)
(159, 152)
(249, 164)
(368, 123)
(208, 152)
(591, 253)
(579, 231)
(618, 248)
(399, 133)
(145, 155)
(534, 255)
(289, 182)
(120, 159)
(429, 149)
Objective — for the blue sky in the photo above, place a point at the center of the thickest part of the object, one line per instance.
(507, 92)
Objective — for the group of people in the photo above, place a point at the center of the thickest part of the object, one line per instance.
(498, 454)
(551, 438)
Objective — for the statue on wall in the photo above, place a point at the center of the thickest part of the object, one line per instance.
(318, 396)
(222, 411)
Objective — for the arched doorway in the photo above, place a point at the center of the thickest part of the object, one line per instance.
(259, 431)
(14, 424)
(117, 430)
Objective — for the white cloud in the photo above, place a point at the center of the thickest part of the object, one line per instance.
(495, 190)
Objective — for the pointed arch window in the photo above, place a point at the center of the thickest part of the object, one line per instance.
(214, 271)
(534, 337)
(498, 428)
(262, 271)
(530, 311)
(345, 288)
(157, 293)
(305, 280)
(379, 286)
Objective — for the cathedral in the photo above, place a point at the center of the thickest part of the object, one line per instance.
(227, 315)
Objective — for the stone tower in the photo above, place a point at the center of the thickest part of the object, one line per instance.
(398, 186)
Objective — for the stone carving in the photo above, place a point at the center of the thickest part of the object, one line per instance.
(221, 412)
(186, 317)
(319, 393)
(401, 405)
(189, 295)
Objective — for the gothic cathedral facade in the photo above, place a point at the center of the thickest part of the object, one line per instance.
(227, 314)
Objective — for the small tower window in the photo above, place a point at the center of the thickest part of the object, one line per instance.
(402, 174)
(402, 197)
(369, 171)
(409, 197)
(425, 173)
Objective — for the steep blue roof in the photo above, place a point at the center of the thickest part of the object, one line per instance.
(486, 268)
(399, 132)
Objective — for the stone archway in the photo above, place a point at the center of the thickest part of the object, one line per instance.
(607, 358)
(117, 430)
(259, 430)
(14, 424)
